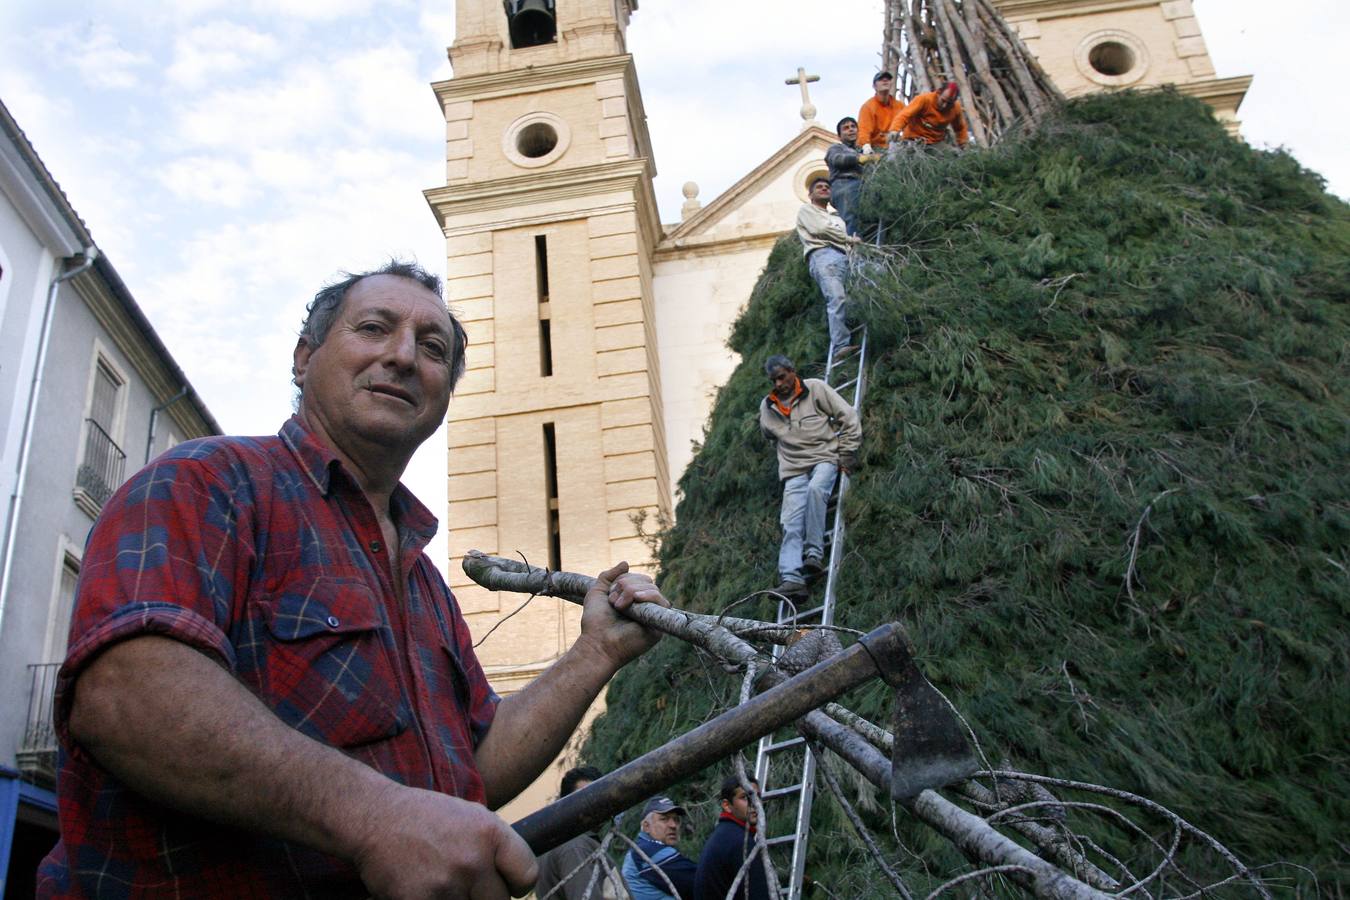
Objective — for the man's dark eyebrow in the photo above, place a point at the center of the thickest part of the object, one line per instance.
(388, 315)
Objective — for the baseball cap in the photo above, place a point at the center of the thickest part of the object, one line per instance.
(662, 805)
(880, 75)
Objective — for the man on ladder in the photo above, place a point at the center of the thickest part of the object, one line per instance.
(818, 434)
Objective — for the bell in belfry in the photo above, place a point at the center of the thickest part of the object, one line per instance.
(532, 22)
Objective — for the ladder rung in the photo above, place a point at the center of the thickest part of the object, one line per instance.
(801, 616)
(781, 792)
(781, 839)
(783, 745)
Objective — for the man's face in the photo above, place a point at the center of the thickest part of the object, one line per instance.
(741, 806)
(382, 375)
(946, 99)
(883, 88)
(784, 382)
(849, 132)
(820, 193)
(662, 826)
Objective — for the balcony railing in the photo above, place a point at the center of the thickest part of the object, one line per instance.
(104, 462)
(37, 753)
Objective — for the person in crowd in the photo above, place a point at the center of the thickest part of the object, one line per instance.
(574, 870)
(270, 690)
(928, 116)
(729, 846)
(655, 866)
(875, 119)
(826, 242)
(817, 434)
(845, 161)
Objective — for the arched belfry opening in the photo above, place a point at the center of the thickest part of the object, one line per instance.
(532, 23)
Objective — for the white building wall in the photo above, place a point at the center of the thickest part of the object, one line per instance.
(697, 300)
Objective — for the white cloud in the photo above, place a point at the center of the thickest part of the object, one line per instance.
(290, 170)
(218, 49)
(436, 23)
(698, 35)
(390, 95)
(300, 102)
(314, 9)
(98, 55)
(206, 179)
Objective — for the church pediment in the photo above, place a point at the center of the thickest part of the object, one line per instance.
(763, 204)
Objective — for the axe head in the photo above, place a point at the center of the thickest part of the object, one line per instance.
(931, 748)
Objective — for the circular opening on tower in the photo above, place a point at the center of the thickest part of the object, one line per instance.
(536, 139)
(1111, 58)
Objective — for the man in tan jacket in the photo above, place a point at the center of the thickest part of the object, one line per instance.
(817, 434)
(826, 241)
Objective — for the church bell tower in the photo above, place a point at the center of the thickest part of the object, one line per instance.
(556, 445)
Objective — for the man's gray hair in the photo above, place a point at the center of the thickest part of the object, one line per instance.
(323, 310)
(778, 361)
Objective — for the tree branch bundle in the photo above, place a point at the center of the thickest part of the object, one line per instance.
(1058, 866)
(930, 42)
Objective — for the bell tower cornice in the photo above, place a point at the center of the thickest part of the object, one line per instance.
(535, 78)
(1049, 9)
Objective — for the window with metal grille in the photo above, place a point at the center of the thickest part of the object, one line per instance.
(104, 462)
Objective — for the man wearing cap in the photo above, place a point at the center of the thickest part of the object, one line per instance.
(817, 434)
(846, 161)
(654, 867)
(928, 116)
(876, 116)
(826, 241)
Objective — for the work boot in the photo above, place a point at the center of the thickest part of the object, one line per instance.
(812, 565)
(793, 590)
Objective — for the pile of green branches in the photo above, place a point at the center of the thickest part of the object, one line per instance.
(1105, 478)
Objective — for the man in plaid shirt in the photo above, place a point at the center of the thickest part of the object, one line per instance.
(270, 690)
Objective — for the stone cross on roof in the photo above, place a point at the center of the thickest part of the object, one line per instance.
(808, 109)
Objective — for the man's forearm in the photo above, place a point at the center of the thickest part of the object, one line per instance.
(531, 727)
(178, 728)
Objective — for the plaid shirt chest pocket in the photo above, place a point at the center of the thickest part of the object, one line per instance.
(329, 668)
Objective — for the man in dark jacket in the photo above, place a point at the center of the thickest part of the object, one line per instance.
(846, 160)
(730, 843)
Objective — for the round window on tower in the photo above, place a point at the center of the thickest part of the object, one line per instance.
(1112, 58)
(536, 139)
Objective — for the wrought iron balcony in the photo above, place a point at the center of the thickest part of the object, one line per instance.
(37, 753)
(104, 463)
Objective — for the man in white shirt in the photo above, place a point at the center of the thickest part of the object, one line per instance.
(826, 241)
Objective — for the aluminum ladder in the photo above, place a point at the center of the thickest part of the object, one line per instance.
(845, 375)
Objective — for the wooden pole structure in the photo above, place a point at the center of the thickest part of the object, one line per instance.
(930, 42)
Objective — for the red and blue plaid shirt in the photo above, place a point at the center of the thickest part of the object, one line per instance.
(264, 554)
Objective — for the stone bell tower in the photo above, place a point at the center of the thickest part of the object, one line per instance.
(556, 445)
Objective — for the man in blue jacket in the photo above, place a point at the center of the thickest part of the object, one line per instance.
(651, 873)
(725, 852)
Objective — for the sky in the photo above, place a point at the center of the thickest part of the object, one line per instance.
(232, 157)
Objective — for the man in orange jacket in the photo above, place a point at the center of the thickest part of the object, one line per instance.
(927, 116)
(876, 118)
